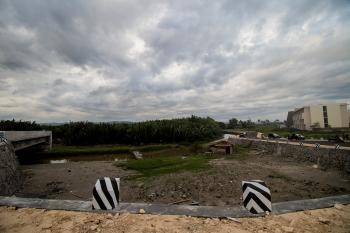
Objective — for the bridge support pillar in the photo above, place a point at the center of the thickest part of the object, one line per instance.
(10, 176)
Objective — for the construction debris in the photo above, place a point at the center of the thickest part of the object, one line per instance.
(137, 155)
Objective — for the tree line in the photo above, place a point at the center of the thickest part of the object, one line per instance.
(8, 125)
(188, 129)
(234, 123)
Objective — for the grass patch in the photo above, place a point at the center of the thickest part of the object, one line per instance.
(155, 147)
(240, 152)
(157, 166)
(88, 150)
(104, 150)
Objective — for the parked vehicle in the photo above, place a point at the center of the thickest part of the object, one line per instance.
(273, 136)
(243, 135)
(296, 136)
(336, 138)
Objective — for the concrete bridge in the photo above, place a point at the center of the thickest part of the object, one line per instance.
(24, 139)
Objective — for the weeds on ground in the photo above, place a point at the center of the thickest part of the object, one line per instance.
(240, 152)
(163, 165)
(105, 149)
(155, 166)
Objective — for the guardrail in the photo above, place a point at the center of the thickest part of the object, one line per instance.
(298, 143)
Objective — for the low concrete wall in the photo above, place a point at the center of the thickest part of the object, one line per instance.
(195, 211)
(324, 157)
(10, 175)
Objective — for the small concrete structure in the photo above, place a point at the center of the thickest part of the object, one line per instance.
(221, 147)
(24, 139)
(137, 155)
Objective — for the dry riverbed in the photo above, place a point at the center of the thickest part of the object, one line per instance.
(219, 184)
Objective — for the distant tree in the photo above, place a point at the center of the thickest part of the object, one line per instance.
(250, 123)
(246, 124)
(18, 125)
(221, 124)
(233, 123)
(190, 129)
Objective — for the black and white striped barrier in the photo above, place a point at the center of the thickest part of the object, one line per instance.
(105, 195)
(317, 145)
(256, 196)
(337, 147)
(2, 136)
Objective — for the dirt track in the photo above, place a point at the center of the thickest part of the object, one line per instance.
(220, 185)
(34, 220)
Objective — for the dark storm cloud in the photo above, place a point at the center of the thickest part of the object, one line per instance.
(137, 60)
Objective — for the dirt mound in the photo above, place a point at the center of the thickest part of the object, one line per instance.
(34, 220)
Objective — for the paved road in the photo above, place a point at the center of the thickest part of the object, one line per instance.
(285, 141)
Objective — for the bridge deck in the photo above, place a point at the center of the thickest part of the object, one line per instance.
(25, 139)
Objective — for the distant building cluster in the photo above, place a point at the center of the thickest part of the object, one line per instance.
(333, 115)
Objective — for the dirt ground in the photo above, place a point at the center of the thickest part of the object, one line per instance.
(219, 185)
(54, 221)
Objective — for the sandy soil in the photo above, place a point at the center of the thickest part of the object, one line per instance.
(35, 220)
(220, 185)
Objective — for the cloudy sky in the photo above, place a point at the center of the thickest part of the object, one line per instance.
(138, 60)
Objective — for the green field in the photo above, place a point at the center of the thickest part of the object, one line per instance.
(58, 150)
(164, 165)
(166, 161)
(157, 159)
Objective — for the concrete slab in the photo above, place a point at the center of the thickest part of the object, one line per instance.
(196, 211)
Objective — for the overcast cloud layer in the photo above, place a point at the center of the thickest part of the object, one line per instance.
(139, 60)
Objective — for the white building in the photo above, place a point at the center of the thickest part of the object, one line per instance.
(321, 116)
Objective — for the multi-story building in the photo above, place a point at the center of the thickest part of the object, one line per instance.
(320, 116)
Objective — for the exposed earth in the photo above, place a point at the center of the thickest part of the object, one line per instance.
(218, 185)
(336, 219)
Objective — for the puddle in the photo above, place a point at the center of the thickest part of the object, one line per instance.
(28, 159)
(227, 136)
(59, 161)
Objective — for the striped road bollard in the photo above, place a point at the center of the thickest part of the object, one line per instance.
(317, 146)
(256, 196)
(105, 195)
